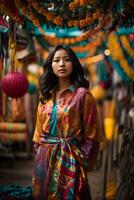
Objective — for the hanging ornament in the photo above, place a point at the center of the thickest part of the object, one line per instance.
(98, 92)
(14, 84)
(4, 25)
(131, 37)
(32, 88)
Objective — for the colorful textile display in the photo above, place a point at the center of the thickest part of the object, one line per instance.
(13, 132)
(15, 137)
(12, 127)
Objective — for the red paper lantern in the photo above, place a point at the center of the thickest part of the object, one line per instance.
(14, 84)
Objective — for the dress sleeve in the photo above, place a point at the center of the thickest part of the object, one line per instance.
(90, 119)
(38, 126)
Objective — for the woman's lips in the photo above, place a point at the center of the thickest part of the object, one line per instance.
(62, 70)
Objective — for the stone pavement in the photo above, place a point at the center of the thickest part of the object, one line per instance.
(21, 173)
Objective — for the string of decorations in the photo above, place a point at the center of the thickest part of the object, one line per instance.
(76, 3)
(58, 20)
(126, 45)
(88, 14)
(53, 40)
(126, 54)
(27, 11)
(117, 55)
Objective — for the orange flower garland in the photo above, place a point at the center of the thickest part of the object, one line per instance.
(53, 40)
(59, 20)
(74, 5)
(26, 11)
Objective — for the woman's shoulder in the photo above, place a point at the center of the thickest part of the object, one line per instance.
(82, 89)
(85, 92)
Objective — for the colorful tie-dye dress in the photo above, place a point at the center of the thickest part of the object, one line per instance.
(62, 127)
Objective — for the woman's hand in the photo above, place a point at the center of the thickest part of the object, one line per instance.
(35, 147)
(87, 147)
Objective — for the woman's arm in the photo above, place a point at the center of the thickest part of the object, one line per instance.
(91, 129)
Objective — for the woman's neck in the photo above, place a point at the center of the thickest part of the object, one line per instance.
(63, 84)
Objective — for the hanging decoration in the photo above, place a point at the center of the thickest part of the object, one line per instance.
(54, 40)
(91, 15)
(131, 36)
(98, 92)
(4, 25)
(120, 62)
(14, 84)
(126, 45)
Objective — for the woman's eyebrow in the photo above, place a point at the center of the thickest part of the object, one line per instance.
(63, 56)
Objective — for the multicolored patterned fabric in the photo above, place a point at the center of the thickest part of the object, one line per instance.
(13, 137)
(76, 115)
(59, 171)
(12, 127)
(61, 129)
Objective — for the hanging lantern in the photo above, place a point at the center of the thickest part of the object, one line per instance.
(14, 84)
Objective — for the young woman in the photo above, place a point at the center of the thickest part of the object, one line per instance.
(66, 136)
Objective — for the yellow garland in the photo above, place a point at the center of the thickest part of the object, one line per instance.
(117, 55)
(127, 46)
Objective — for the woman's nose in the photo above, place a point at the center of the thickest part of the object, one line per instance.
(61, 62)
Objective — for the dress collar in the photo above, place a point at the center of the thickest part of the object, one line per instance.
(71, 88)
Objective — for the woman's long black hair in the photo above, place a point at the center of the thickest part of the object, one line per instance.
(49, 80)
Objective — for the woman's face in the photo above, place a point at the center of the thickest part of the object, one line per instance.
(61, 64)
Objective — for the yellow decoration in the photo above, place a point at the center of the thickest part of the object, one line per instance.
(109, 127)
(117, 55)
(33, 79)
(111, 191)
(98, 92)
(127, 46)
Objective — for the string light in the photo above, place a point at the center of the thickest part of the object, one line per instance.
(107, 52)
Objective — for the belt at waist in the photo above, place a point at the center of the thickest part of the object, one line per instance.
(55, 140)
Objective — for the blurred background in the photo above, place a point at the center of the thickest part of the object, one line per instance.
(102, 35)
